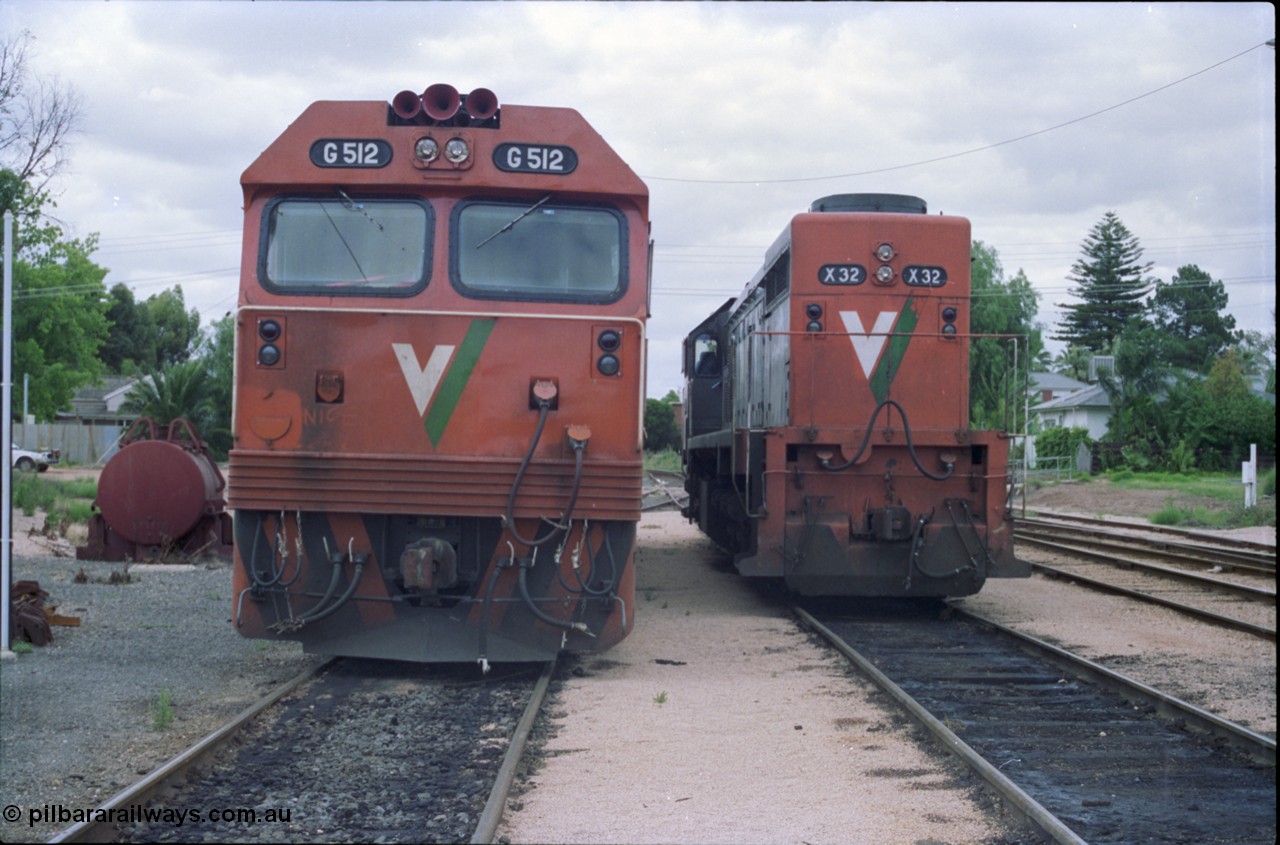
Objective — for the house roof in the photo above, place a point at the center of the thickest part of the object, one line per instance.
(1055, 382)
(1092, 396)
(94, 401)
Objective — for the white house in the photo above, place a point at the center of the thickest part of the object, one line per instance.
(1088, 408)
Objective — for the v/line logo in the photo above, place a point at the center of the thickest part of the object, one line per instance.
(880, 351)
(439, 383)
(868, 344)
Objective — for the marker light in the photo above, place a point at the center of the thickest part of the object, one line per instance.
(813, 310)
(608, 365)
(949, 330)
(269, 330)
(949, 314)
(609, 340)
(269, 355)
(814, 326)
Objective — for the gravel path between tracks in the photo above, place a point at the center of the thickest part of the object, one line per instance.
(720, 720)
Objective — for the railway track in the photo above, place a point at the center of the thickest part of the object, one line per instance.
(1175, 536)
(1229, 584)
(663, 490)
(1079, 752)
(356, 751)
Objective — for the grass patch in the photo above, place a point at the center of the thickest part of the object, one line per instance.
(65, 502)
(1236, 516)
(162, 710)
(22, 647)
(1210, 485)
(668, 460)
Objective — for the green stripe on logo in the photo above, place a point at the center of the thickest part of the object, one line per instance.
(455, 379)
(882, 378)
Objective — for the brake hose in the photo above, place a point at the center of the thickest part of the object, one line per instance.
(508, 519)
(825, 463)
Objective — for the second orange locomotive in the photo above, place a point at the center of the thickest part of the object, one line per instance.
(827, 437)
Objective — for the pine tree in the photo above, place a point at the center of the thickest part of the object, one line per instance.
(1111, 281)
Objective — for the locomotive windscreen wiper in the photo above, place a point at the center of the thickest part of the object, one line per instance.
(349, 206)
(507, 228)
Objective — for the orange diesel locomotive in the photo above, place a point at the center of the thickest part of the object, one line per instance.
(439, 383)
(827, 437)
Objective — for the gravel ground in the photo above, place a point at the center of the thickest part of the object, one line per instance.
(370, 751)
(79, 715)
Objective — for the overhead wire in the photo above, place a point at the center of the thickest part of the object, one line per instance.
(950, 156)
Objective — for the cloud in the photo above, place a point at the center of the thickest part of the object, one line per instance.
(1031, 120)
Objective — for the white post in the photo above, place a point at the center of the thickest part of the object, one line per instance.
(6, 425)
(1249, 475)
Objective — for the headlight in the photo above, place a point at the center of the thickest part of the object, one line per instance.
(456, 150)
(426, 149)
(884, 252)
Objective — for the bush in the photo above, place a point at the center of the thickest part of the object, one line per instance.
(1061, 442)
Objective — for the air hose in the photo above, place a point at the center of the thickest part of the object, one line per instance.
(825, 463)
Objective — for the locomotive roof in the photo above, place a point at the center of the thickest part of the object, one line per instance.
(287, 163)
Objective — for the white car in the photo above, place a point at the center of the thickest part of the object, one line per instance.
(29, 461)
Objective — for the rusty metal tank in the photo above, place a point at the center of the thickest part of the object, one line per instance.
(160, 495)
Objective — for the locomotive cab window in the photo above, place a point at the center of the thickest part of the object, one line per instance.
(538, 250)
(345, 246)
(706, 356)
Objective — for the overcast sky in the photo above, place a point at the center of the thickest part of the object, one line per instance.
(1032, 120)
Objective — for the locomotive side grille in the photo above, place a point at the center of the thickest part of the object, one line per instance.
(436, 486)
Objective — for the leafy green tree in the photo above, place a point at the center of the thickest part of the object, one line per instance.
(1139, 378)
(1215, 418)
(1256, 352)
(131, 341)
(1190, 315)
(1111, 282)
(148, 335)
(59, 304)
(1000, 307)
(216, 354)
(176, 329)
(660, 430)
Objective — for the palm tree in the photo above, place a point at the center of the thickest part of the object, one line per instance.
(177, 391)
